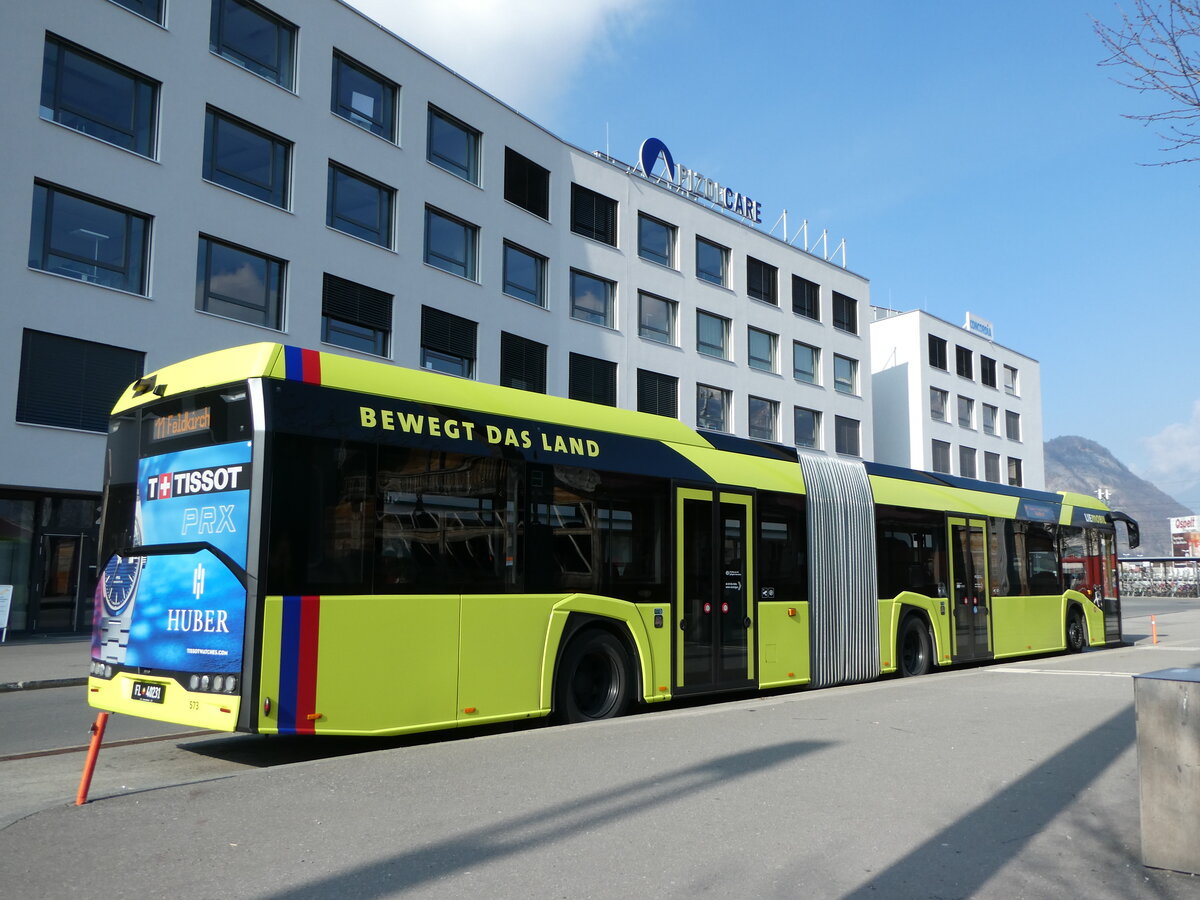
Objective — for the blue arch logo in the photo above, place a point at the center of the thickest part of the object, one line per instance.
(648, 156)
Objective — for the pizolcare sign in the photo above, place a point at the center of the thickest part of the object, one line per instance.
(692, 184)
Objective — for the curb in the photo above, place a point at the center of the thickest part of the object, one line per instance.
(38, 684)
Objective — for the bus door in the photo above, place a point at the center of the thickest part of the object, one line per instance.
(715, 615)
(970, 590)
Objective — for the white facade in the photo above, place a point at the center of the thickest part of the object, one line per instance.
(974, 411)
(971, 408)
(165, 188)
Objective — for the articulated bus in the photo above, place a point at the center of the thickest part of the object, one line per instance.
(295, 542)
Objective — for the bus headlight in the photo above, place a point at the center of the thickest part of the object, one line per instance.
(194, 683)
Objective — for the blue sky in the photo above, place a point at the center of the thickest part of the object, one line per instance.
(973, 156)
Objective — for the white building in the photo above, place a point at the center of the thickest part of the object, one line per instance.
(185, 175)
(949, 399)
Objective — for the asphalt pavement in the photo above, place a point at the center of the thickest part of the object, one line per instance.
(1017, 779)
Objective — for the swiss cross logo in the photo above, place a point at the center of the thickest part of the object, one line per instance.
(164, 486)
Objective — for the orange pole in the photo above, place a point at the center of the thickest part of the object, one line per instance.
(89, 766)
(1154, 629)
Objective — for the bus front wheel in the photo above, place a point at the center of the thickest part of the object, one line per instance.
(1076, 631)
(914, 650)
(595, 680)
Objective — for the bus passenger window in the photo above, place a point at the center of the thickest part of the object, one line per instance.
(444, 522)
(322, 516)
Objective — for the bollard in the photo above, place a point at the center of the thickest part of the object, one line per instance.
(89, 766)
(1153, 630)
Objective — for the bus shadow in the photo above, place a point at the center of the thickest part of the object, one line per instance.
(428, 864)
(262, 751)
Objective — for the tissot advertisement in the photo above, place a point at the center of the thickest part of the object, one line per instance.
(181, 611)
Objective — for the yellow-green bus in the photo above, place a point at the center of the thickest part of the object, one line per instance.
(296, 542)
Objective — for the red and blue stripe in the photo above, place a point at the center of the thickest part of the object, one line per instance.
(298, 664)
(302, 365)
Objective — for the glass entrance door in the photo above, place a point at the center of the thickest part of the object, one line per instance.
(714, 553)
(61, 571)
(970, 590)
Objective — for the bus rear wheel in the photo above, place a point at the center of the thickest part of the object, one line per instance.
(914, 650)
(1076, 632)
(595, 680)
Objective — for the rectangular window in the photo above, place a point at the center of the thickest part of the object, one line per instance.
(453, 145)
(966, 462)
(963, 362)
(656, 241)
(937, 352)
(1014, 472)
(84, 238)
(937, 404)
(987, 371)
(593, 380)
(1010, 381)
(98, 97)
(712, 408)
(450, 243)
(593, 299)
(712, 335)
(447, 343)
(657, 393)
(239, 284)
(246, 159)
(1012, 425)
(522, 363)
(355, 316)
(148, 9)
(991, 467)
(966, 412)
(941, 457)
(846, 436)
(845, 313)
(989, 418)
(806, 363)
(712, 262)
(255, 38)
(808, 428)
(806, 298)
(764, 414)
(526, 183)
(762, 350)
(69, 383)
(762, 280)
(845, 375)
(364, 97)
(524, 274)
(656, 318)
(593, 215)
(359, 206)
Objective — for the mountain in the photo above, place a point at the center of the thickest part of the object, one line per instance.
(1078, 464)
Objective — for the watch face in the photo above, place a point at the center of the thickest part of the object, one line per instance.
(120, 582)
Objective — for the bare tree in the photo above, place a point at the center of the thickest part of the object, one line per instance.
(1158, 45)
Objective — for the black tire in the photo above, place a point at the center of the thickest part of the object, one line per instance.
(1076, 631)
(595, 679)
(914, 649)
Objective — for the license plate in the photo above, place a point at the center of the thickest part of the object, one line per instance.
(151, 693)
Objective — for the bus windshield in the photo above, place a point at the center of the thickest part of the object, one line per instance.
(172, 593)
